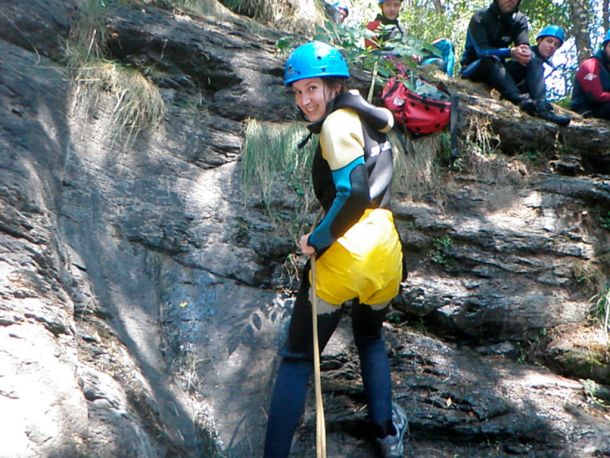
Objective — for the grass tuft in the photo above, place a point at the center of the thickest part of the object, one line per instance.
(137, 102)
(276, 174)
(601, 309)
(417, 171)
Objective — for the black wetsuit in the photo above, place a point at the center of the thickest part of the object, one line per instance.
(349, 180)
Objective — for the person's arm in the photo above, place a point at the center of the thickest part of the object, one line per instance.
(478, 30)
(521, 36)
(588, 75)
(342, 146)
(522, 52)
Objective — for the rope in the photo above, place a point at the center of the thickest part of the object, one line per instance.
(320, 427)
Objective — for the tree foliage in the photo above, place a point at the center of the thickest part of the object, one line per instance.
(424, 21)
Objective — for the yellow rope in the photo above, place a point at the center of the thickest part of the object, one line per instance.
(320, 427)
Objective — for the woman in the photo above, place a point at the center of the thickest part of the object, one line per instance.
(356, 246)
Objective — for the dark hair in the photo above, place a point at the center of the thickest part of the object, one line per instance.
(336, 80)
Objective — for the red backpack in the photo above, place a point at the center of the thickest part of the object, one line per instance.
(421, 107)
(417, 104)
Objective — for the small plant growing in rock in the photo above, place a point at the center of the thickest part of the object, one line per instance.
(601, 308)
(438, 253)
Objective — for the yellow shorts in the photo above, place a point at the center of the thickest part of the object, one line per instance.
(365, 263)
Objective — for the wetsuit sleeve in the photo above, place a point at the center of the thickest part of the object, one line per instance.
(521, 31)
(342, 145)
(479, 28)
(588, 75)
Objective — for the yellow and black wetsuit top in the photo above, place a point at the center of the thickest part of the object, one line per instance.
(352, 166)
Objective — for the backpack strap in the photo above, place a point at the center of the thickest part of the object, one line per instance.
(372, 88)
(453, 124)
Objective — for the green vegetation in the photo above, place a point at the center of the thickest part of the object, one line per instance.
(137, 103)
(601, 308)
(598, 394)
(438, 255)
(417, 172)
(276, 174)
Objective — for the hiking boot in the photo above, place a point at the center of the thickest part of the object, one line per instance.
(545, 111)
(392, 445)
(528, 105)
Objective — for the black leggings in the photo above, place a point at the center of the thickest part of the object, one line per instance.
(296, 366)
(510, 78)
(602, 111)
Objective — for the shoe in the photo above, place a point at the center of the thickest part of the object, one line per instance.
(392, 445)
(528, 105)
(545, 111)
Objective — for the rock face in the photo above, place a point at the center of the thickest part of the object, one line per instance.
(137, 312)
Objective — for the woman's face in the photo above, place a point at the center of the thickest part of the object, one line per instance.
(311, 96)
(391, 8)
(607, 51)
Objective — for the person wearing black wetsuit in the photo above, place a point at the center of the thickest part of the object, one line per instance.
(355, 248)
(498, 33)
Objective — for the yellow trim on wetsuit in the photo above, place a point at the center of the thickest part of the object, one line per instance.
(341, 138)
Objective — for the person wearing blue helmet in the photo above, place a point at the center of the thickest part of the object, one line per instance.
(530, 79)
(355, 247)
(337, 10)
(388, 31)
(591, 92)
(497, 52)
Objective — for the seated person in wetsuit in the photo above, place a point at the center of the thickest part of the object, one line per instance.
(388, 29)
(591, 92)
(495, 35)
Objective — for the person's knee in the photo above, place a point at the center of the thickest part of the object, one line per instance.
(292, 354)
(363, 340)
(488, 70)
(535, 69)
(367, 322)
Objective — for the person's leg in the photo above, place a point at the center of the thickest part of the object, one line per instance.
(374, 365)
(530, 80)
(533, 76)
(519, 74)
(493, 72)
(602, 112)
(290, 390)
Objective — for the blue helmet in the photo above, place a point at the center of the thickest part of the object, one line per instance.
(314, 60)
(606, 39)
(552, 31)
(341, 5)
